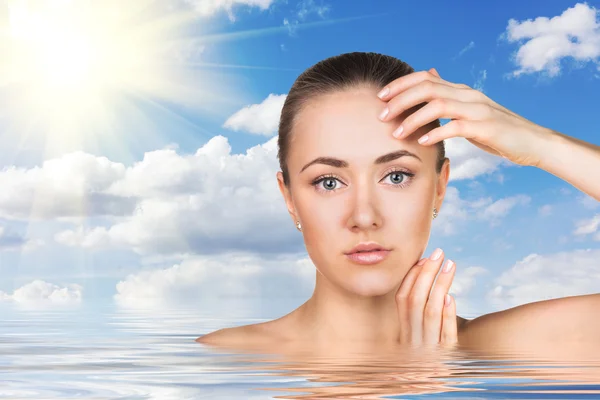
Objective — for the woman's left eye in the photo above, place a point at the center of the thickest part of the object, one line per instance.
(398, 177)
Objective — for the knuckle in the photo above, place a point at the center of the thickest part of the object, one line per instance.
(413, 300)
(431, 312)
(429, 87)
(456, 125)
(486, 111)
(440, 104)
(396, 104)
(401, 297)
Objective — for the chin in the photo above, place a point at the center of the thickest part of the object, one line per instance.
(373, 284)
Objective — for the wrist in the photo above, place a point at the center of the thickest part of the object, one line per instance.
(548, 149)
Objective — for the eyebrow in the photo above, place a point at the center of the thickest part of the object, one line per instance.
(337, 163)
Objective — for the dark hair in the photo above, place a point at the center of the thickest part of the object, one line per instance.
(344, 71)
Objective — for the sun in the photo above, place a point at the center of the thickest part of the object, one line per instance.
(76, 71)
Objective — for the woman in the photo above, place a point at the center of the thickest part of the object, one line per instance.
(363, 174)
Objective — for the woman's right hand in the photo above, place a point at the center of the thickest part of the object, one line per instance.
(425, 315)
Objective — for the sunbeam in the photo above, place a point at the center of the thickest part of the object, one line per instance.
(69, 65)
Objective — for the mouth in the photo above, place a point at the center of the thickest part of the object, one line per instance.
(368, 257)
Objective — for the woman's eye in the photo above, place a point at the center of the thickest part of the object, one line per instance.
(329, 184)
(396, 177)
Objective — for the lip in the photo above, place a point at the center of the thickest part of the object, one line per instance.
(368, 257)
(367, 247)
(368, 253)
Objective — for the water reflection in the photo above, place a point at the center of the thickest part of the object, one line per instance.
(111, 353)
(458, 373)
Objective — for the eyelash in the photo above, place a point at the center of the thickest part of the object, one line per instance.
(392, 171)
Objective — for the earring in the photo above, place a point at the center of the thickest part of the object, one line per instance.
(298, 225)
(435, 213)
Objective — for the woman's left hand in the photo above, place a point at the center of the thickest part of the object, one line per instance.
(473, 115)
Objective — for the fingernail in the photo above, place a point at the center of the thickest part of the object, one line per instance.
(448, 266)
(447, 300)
(384, 113)
(384, 92)
(423, 139)
(398, 132)
(422, 261)
(436, 254)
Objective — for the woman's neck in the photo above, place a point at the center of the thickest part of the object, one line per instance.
(335, 316)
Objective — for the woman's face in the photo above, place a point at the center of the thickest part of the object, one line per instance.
(360, 199)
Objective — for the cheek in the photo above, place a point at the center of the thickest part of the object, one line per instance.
(322, 219)
(407, 221)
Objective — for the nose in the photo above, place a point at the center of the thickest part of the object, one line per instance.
(364, 208)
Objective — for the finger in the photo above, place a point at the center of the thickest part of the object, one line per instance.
(441, 108)
(404, 82)
(469, 129)
(434, 308)
(402, 306)
(417, 299)
(409, 280)
(424, 92)
(449, 334)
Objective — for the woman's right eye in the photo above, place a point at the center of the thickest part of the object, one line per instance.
(326, 184)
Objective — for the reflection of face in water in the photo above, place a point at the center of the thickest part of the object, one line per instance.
(388, 200)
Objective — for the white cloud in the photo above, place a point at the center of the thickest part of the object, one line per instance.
(209, 202)
(500, 208)
(544, 42)
(229, 275)
(308, 7)
(545, 210)
(453, 210)
(10, 241)
(588, 201)
(542, 277)
(456, 210)
(71, 186)
(258, 119)
(468, 161)
(588, 227)
(207, 8)
(465, 49)
(305, 8)
(465, 279)
(478, 85)
(291, 26)
(40, 293)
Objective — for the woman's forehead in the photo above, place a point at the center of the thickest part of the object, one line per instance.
(347, 124)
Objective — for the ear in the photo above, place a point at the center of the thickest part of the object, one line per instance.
(441, 184)
(287, 196)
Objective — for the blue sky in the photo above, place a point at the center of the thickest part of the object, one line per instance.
(136, 186)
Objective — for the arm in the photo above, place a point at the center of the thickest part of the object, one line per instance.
(573, 160)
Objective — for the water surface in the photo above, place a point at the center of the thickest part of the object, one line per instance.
(108, 352)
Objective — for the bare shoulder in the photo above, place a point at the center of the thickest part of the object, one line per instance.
(566, 319)
(230, 336)
(242, 337)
